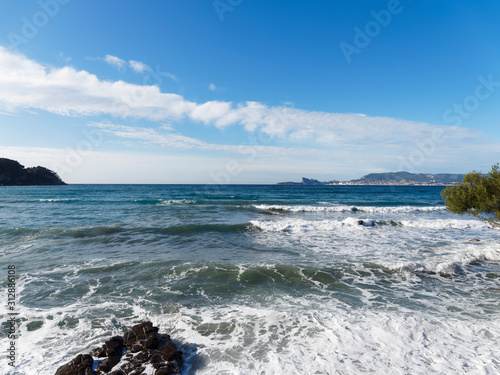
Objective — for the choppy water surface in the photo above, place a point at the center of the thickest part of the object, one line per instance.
(254, 279)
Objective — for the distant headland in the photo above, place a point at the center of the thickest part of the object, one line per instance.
(391, 178)
(12, 173)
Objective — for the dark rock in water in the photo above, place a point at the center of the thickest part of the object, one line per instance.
(129, 355)
(139, 332)
(114, 346)
(99, 352)
(475, 240)
(108, 363)
(80, 365)
(167, 352)
(152, 342)
(360, 222)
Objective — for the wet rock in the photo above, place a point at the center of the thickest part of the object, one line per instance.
(110, 362)
(136, 348)
(129, 355)
(152, 342)
(168, 352)
(99, 352)
(114, 346)
(139, 332)
(80, 365)
(360, 222)
(474, 240)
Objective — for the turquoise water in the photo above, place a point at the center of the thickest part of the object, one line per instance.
(254, 279)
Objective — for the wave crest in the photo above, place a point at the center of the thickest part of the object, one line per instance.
(343, 208)
(303, 225)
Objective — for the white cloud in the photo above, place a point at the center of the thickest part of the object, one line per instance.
(138, 66)
(116, 62)
(210, 111)
(152, 136)
(28, 85)
(212, 87)
(167, 127)
(170, 140)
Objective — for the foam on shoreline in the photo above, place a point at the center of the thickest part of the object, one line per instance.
(294, 336)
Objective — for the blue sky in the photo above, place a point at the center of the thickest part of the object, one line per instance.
(240, 91)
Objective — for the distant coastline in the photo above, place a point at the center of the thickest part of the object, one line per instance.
(12, 173)
(390, 178)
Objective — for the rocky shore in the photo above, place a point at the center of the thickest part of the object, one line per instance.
(142, 350)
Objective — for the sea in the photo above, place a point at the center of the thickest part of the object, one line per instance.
(251, 279)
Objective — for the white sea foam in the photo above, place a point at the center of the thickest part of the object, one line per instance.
(343, 208)
(305, 333)
(55, 200)
(456, 262)
(167, 202)
(285, 340)
(303, 225)
(446, 224)
(295, 336)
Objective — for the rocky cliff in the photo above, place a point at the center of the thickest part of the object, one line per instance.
(13, 173)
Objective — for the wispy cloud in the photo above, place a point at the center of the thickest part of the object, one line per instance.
(167, 127)
(344, 160)
(61, 56)
(138, 66)
(172, 76)
(116, 62)
(171, 140)
(212, 87)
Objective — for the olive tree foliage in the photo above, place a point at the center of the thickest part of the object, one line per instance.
(477, 195)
